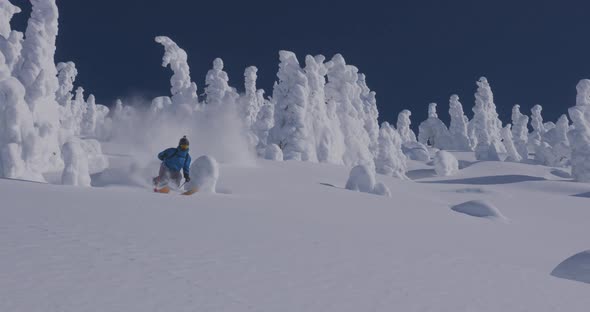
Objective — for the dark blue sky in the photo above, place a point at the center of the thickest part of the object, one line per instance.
(413, 52)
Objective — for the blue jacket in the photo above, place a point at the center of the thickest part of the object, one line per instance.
(176, 159)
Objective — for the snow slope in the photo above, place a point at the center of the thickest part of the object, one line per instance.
(287, 236)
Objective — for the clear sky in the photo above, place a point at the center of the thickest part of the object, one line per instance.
(413, 52)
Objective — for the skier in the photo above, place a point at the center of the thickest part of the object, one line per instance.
(174, 160)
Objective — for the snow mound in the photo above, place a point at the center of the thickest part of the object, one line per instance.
(76, 164)
(381, 189)
(362, 179)
(445, 164)
(204, 174)
(575, 268)
(273, 152)
(479, 208)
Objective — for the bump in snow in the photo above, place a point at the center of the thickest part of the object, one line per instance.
(445, 164)
(576, 268)
(362, 179)
(480, 209)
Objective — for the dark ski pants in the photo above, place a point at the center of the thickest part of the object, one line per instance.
(166, 175)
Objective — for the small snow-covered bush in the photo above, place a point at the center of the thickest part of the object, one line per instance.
(480, 209)
(76, 164)
(204, 175)
(445, 164)
(273, 152)
(381, 189)
(362, 179)
(416, 151)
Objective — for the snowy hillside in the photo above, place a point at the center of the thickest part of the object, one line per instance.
(286, 236)
(305, 201)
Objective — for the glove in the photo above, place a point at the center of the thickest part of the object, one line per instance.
(187, 178)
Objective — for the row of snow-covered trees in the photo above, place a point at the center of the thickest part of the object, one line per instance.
(319, 111)
(37, 113)
(551, 143)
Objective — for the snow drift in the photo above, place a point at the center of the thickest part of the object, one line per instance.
(576, 268)
(479, 208)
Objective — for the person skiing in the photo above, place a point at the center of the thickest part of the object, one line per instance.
(174, 160)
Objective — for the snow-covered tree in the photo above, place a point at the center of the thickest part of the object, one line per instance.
(403, 126)
(433, 131)
(537, 123)
(558, 134)
(117, 112)
(37, 72)
(66, 76)
(20, 156)
(76, 170)
(291, 95)
(67, 73)
(89, 118)
(252, 100)
(78, 110)
(183, 90)
(520, 131)
(371, 113)
(579, 136)
(486, 123)
(508, 141)
(458, 127)
(218, 90)
(343, 95)
(389, 159)
(320, 125)
(10, 40)
(264, 122)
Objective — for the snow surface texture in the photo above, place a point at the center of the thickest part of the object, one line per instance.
(576, 268)
(445, 164)
(479, 208)
(362, 179)
(272, 246)
(204, 173)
